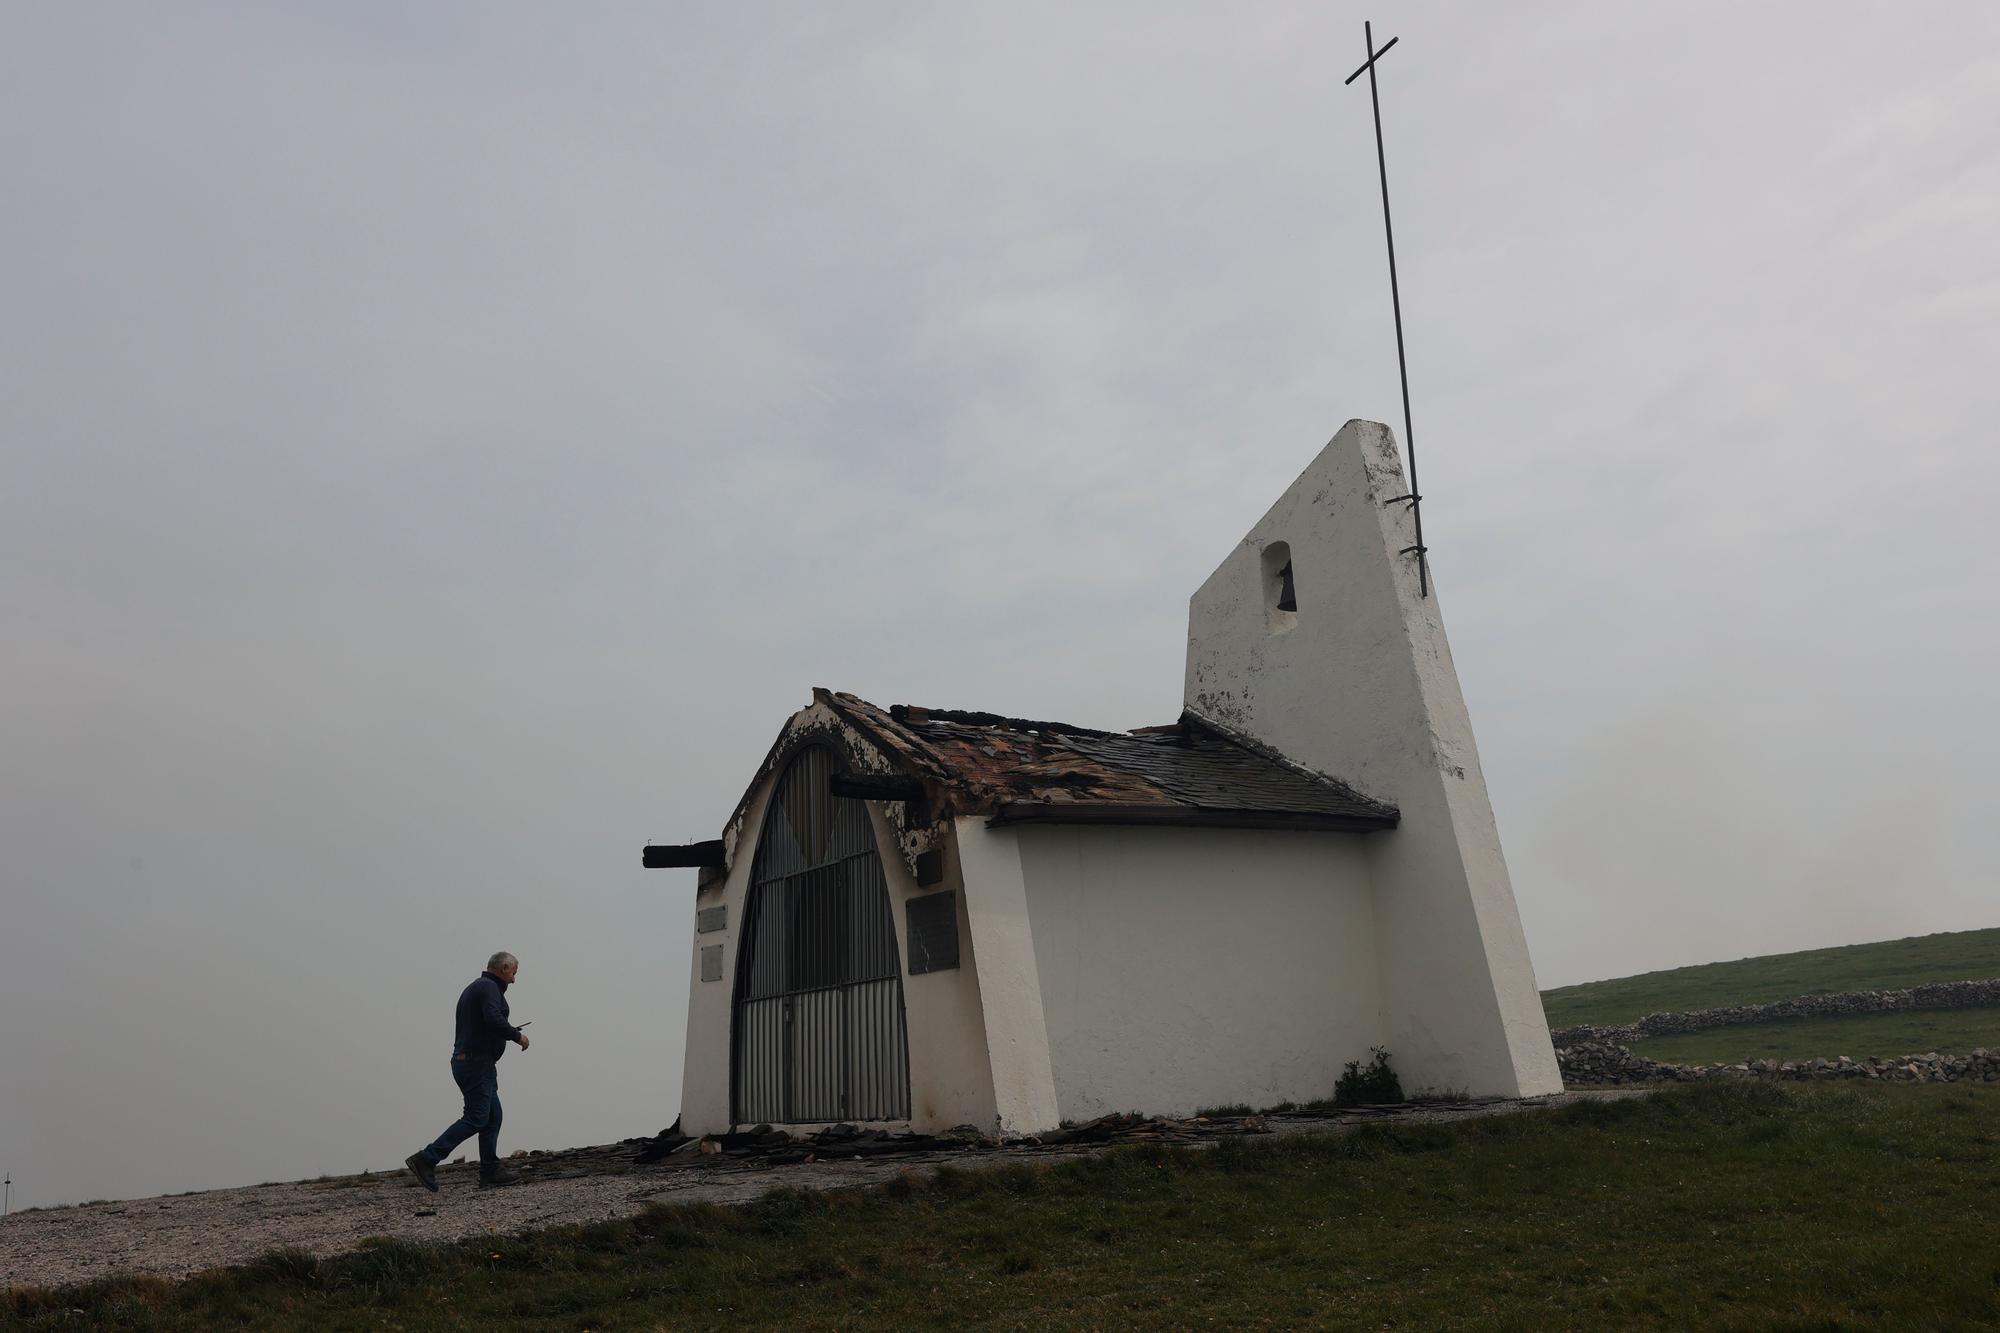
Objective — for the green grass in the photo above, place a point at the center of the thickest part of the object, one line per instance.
(1732, 1205)
(1952, 1031)
(1968, 955)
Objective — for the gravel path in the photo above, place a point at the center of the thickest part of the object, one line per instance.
(175, 1235)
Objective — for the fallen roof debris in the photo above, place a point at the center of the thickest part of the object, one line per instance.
(763, 1146)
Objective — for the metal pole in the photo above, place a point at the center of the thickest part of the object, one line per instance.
(1396, 300)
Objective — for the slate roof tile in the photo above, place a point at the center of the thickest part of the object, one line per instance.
(1190, 771)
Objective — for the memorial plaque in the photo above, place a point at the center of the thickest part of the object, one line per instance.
(933, 932)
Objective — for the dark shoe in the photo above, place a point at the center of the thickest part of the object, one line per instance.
(499, 1175)
(423, 1171)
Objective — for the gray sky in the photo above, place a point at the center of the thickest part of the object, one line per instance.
(441, 445)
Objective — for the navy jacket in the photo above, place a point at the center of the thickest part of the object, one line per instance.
(483, 1029)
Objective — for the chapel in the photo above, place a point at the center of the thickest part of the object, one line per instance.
(927, 917)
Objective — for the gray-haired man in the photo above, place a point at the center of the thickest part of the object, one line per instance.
(483, 1034)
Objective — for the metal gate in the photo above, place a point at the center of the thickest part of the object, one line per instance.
(819, 985)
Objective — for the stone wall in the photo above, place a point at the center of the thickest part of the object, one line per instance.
(1933, 995)
(1598, 1063)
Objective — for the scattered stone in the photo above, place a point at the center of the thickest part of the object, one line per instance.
(1600, 1063)
(1932, 995)
(763, 1146)
(664, 1144)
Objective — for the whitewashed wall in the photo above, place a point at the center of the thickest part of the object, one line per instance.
(1186, 968)
(705, 1071)
(1359, 683)
(951, 1078)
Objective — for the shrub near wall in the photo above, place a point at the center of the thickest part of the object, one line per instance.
(1933, 995)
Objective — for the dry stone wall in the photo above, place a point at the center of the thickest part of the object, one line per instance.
(1933, 995)
(1599, 1063)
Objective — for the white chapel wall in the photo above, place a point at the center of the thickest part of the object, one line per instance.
(951, 1080)
(1186, 968)
(705, 1073)
(1006, 969)
(1359, 683)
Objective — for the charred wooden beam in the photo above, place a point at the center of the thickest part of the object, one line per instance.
(876, 787)
(686, 854)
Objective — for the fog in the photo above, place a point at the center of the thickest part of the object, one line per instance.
(441, 445)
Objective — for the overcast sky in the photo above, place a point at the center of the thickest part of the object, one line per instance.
(441, 444)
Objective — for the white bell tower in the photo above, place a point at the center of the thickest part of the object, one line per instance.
(1312, 638)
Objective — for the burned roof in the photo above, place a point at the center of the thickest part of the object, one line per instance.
(1189, 772)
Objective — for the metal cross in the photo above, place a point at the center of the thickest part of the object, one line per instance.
(1396, 300)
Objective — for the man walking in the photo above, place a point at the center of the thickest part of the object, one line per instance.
(483, 1034)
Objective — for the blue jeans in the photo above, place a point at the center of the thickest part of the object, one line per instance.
(480, 1082)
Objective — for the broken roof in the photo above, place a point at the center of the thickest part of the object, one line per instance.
(1190, 772)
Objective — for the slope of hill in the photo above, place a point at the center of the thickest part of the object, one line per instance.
(1955, 956)
(1710, 1206)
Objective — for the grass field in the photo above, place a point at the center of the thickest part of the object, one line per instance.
(1960, 956)
(1748, 1206)
(1952, 1031)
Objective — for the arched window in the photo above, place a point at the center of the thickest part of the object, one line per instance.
(819, 987)
(1281, 597)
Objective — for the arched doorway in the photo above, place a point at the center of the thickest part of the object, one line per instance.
(819, 983)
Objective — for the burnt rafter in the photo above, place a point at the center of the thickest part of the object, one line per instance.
(708, 855)
(972, 718)
(876, 787)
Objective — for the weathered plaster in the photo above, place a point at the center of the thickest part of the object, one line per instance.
(951, 1079)
(913, 828)
(705, 1068)
(1185, 968)
(1010, 988)
(1361, 686)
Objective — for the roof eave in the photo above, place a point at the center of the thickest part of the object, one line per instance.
(1185, 816)
(1189, 717)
